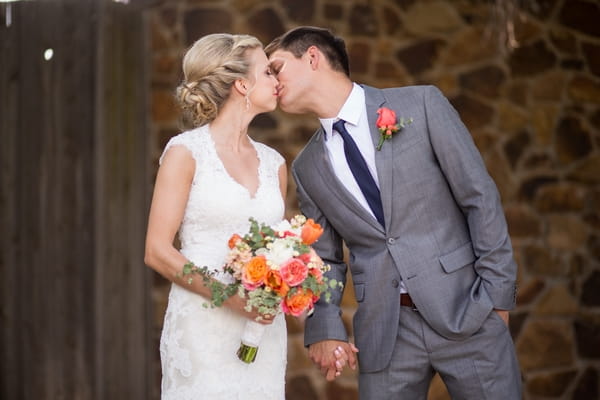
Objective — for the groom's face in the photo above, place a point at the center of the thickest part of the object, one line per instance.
(293, 75)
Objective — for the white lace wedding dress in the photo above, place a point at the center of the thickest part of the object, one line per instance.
(198, 345)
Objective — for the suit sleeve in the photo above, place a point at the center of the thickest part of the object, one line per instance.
(326, 320)
(477, 196)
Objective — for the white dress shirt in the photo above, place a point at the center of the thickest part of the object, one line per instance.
(354, 112)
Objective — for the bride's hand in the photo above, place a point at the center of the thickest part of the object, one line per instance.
(238, 304)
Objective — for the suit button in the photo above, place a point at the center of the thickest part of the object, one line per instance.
(395, 283)
(391, 240)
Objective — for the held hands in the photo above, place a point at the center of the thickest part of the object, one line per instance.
(331, 356)
(343, 357)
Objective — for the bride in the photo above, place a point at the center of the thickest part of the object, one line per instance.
(211, 179)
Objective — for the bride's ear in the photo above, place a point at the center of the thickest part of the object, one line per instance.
(241, 86)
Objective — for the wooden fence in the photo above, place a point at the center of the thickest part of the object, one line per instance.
(75, 318)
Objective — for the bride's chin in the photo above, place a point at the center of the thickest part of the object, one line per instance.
(274, 105)
(268, 108)
(288, 108)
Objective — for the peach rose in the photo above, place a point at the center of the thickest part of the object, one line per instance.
(317, 273)
(298, 302)
(311, 231)
(293, 271)
(276, 282)
(254, 272)
(306, 257)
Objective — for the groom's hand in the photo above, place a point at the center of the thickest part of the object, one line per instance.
(323, 354)
(503, 314)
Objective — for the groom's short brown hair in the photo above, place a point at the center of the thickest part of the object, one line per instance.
(298, 40)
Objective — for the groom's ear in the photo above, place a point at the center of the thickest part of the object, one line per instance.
(314, 56)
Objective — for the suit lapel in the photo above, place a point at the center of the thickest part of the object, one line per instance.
(321, 162)
(384, 157)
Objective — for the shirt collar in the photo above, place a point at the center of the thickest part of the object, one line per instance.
(351, 111)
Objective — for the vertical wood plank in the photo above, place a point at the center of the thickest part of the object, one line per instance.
(54, 200)
(122, 184)
(9, 98)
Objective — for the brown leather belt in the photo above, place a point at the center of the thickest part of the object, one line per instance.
(405, 300)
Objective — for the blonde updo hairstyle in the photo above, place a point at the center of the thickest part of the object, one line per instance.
(210, 68)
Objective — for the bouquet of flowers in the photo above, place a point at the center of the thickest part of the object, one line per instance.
(275, 269)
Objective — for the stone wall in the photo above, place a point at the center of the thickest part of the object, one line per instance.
(534, 113)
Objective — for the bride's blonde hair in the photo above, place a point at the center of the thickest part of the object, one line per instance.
(210, 68)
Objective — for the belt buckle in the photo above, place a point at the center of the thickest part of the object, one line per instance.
(412, 306)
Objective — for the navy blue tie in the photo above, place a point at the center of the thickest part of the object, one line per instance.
(361, 173)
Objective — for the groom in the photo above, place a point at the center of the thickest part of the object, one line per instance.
(430, 257)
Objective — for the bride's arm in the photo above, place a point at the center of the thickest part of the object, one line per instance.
(171, 192)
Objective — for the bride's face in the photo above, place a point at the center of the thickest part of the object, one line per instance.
(263, 84)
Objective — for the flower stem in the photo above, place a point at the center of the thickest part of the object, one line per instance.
(247, 353)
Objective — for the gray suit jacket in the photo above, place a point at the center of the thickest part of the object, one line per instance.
(445, 233)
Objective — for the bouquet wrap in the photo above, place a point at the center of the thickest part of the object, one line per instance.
(251, 336)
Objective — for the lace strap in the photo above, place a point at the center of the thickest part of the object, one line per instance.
(192, 140)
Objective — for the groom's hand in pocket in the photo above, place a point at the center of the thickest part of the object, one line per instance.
(503, 314)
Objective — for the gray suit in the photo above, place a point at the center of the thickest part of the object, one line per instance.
(445, 233)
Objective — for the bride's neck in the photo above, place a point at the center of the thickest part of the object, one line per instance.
(230, 128)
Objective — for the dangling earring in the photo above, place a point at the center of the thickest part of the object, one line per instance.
(247, 102)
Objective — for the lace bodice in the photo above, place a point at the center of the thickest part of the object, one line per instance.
(219, 206)
(198, 344)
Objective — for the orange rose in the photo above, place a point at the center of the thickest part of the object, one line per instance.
(233, 240)
(254, 272)
(298, 302)
(311, 231)
(276, 282)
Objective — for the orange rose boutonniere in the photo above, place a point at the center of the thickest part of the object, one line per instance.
(388, 124)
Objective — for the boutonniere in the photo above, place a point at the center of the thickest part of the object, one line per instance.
(387, 124)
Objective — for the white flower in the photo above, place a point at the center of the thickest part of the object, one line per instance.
(285, 226)
(280, 251)
(298, 221)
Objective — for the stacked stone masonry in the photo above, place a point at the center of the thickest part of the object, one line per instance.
(533, 111)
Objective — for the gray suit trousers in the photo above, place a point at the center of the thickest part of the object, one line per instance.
(482, 366)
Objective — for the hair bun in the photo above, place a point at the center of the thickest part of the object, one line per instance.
(210, 68)
(198, 108)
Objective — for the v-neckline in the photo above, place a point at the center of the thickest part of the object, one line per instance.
(235, 181)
